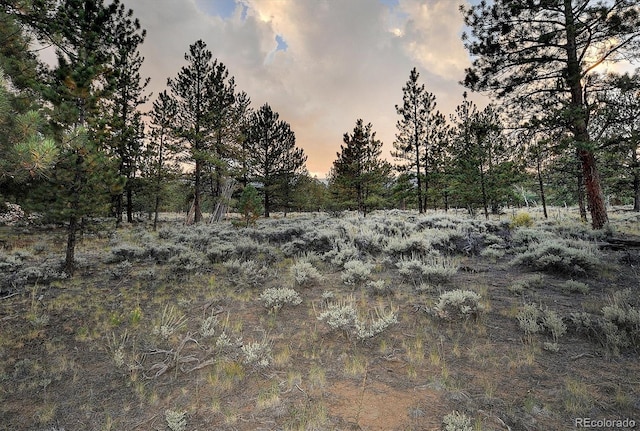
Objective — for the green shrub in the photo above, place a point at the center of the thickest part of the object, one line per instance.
(554, 324)
(186, 264)
(528, 319)
(560, 256)
(257, 353)
(493, 252)
(433, 268)
(344, 316)
(121, 270)
(125, 252)
(380, 287)
(622, 321)
(573, 286)
(244, 274)
(304, 273)
(534, 282)
(522, 219)
(250, 205)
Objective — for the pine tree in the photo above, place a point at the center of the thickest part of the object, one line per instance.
(538, 55)
(190, 91)
(359, 175)
(619, 124)
(156, 169)
(27, 154)
(223, 119)
(20, 65)
(27, 151)
(310, 194)
(124, 122)
(240, 162)
(417, 129)
(484, 169)
(249, 205)
(205, 96)
(82, 32)
(273, 155)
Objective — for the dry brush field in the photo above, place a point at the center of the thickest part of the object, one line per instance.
(394, 321)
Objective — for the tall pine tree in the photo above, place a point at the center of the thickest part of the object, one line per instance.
(484, 170)
(156, 168)
(82, 33)
(416, 130)
(206, 121)
(191, 93)
(359, 175)
(124, 124)
(273, 156)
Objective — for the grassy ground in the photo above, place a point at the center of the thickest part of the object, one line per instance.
(173, 330)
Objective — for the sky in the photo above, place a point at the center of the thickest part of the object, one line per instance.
(321, 64)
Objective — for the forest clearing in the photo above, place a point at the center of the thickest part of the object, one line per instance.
(394, 321)
(478, 271)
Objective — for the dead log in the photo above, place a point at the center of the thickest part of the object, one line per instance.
(619, 244)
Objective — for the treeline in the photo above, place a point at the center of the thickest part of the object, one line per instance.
(75, 142)
(559, 131)
(481, 160)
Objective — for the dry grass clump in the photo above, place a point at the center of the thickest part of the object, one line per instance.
(533, 319)
(617, 328)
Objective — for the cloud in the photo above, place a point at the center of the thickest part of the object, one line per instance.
(430, 22)
(321, 64)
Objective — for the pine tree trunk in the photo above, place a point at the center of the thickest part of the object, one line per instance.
(129, 204)
(484, 193)
(420, 206)
(158, 181)
(582, 208)
(541, 187)
(118, 209)
(579, 117)
(636, 180)
(595, 197)
(72, 232)
(155, 212)
(197, 212)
